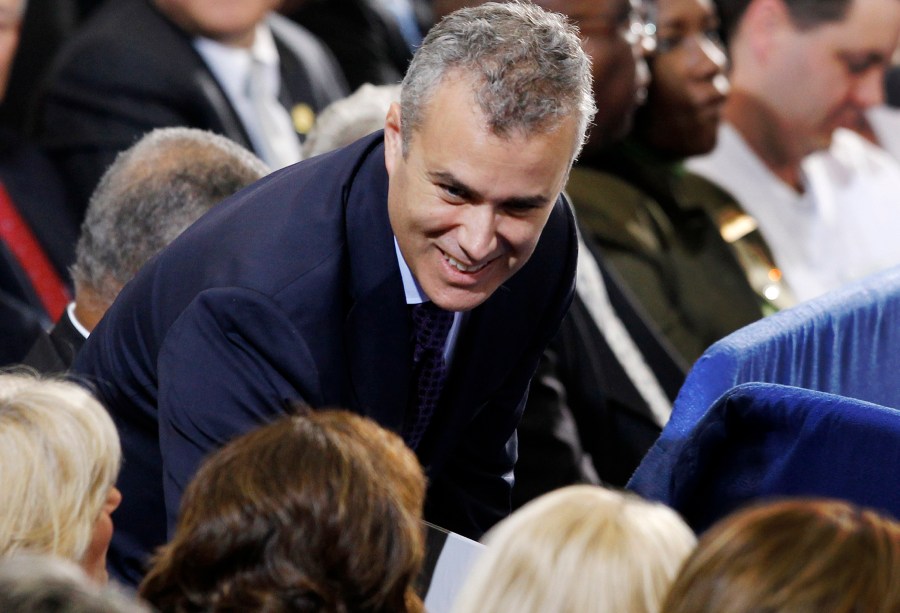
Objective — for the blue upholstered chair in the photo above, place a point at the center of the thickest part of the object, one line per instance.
(846, 342)
(763, 440)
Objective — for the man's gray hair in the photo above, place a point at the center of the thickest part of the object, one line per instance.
(526, 65)
(149, 195)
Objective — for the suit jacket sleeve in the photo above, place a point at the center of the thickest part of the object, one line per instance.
(254, 367)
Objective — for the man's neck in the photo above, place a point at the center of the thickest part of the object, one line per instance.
(765, 135)
(89, 307)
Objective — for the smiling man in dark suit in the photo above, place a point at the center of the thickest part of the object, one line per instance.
(301, 287)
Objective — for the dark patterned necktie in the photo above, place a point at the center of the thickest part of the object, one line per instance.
(431, 325)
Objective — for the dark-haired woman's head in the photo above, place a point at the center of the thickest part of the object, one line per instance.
(320, 512)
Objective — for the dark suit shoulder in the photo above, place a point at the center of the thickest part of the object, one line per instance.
(121, 37)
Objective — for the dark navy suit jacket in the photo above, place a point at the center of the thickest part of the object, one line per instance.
(290, 290)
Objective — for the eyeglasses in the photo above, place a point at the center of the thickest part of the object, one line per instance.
(637, 29)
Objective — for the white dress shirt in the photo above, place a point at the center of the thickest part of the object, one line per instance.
(231, 66)
(846, 223)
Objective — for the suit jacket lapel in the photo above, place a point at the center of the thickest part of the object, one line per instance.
(177, 48)
(377, 328)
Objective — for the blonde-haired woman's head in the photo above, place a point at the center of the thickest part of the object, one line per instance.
(59, 458)
(579, 549)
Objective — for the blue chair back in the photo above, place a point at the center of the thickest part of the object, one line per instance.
(762, 440)
(846, 342)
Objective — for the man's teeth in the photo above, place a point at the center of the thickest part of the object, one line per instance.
(463, 268)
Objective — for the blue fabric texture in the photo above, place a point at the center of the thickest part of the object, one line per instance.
(846, 342)
(764, 440)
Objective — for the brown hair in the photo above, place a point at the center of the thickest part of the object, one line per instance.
(320, 512)
(797, 556)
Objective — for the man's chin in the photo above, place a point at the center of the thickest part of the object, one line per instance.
(458, 300)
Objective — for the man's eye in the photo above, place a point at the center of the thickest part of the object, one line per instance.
(453, 192)
(520, 208)
(857, 65)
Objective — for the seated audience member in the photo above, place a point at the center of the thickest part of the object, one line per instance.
(150, 194)
(59, 458)
(824, 198)
(793, 556)
(317, 512)
(37, 229)
(373, 40)
(605, 385)
(247, 73)
(650, 219)
(351, 118)
(579, 549)
(33, 583)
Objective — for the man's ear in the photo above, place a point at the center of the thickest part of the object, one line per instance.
(764, 24)
(393, 141)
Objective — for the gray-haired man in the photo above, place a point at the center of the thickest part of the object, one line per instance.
(335, 281)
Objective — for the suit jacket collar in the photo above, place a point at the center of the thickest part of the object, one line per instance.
(66, 339)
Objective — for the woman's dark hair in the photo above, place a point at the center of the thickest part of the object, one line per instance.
(320, 512)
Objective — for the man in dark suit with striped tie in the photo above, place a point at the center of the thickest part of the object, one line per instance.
(299, 288)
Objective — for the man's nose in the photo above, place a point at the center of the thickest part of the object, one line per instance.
(477, 232)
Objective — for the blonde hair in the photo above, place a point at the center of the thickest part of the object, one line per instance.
(59, 455)
(579, 549)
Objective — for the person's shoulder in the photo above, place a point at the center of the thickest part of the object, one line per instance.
(123, 38)
(698, 188)
(602, 190)
(610, 207)
(295, 36)
(312, 54)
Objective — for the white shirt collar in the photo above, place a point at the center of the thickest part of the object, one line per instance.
(70, 311)
(415, 295)
(230, 65)
(414, 292)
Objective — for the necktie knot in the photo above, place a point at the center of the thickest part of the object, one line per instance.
(431, 324)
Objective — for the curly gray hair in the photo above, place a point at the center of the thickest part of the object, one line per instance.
(527, 65)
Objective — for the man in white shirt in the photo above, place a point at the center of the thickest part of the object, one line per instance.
(801, 71)
(234, 68)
